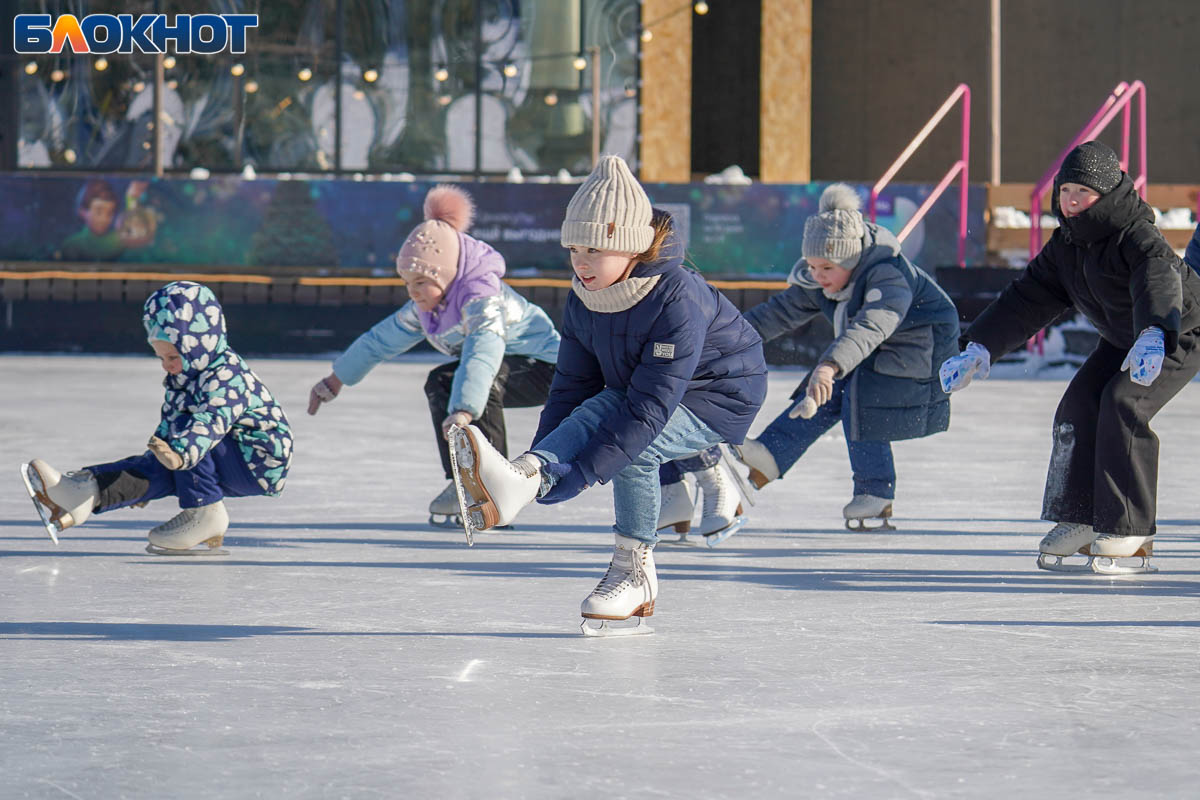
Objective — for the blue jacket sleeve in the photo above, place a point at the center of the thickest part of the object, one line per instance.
(782, 313)
(1192, 254)
(389, 338)
(577, 376)
(482, 352)
(669, 358)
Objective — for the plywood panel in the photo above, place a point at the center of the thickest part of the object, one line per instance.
(785, 111)
(666, 91)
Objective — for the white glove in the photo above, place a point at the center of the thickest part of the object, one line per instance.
(1145, 358)
(957, 371)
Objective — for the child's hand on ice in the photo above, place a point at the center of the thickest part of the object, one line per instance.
(459, 418)
(1145, 358)
(324, 391)
(165, 455)
(957, 371)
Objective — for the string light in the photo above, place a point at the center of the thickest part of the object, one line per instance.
(371, 75)
(169, 62)
(139, 87)
(580, 63)
(510, 70)
(57, 75)
(101, 64)
(251, 86)
(552, 99)
(441, 74)
(304, 74)
(172, 85)
(237, 70)
(444, 100)
(701, 8)
(69, 156)
(31, 68)
(647, 35)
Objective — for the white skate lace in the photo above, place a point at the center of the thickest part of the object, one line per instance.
(714, 495)
(181, 520)
(619, 574)
(1062, 531)
(523, 467)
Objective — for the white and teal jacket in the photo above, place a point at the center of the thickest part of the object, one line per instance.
(217, 395)
(489, 329)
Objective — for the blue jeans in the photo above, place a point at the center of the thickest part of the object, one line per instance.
(221, 473)
(871, 462)
(636, 494)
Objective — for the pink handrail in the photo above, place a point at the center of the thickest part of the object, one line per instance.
(1119, 100)
(960, 166)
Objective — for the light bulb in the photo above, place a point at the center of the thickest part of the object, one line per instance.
(31, 68)
(139, 87)
(580, 63)
(304, 74)
(701, 8)
(169, 62)
(371, 75)
(172, 85)
(441, 74)
(444, 100)
(57, 75)
(647, 35)
(510, 70)
(236, 70)
(552, 99)
(251, 86)
(69, 156)
(101, 64)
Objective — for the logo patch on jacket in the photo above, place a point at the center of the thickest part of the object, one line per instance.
(664, 350)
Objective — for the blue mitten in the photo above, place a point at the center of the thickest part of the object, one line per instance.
(1145, 358)
(568, 482)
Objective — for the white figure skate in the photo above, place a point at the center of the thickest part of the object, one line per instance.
(755, 455)
(863, 507)
(190, 527)
(1064, 540)
(1107, 548)
(62, 500)
(491, 489)
(677, 508)
(443, 510)
(628, 589)
(722, 514)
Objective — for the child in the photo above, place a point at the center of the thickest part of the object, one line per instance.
(655, 365)
(892, 327)
(1108, 262)
(99, 239)
(504, 346)
(221, 435)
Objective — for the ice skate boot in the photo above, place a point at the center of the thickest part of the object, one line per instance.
(1064, 540)
(190, 527)
(62, 500)
(677, 507)
(863, 507)
(628, 589)
(443, 510)
(491, 489)
(1107, 548)
(722, 511)
(755, 455)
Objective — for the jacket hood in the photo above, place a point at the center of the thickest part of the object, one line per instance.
(187, 315)
(479, 273)
(879, 244)
(1112, 212)
(670, 255)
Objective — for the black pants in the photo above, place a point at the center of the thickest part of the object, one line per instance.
(521, 383)
(1104, 465)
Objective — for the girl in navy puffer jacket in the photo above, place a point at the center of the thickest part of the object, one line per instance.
(654, 365)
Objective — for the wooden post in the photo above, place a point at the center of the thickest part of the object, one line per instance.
(785, 92)
(666, 93)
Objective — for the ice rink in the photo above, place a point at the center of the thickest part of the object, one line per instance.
(346, 649)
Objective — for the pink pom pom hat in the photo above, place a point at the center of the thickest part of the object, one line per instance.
(432, 249)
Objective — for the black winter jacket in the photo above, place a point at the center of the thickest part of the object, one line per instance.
(1112, 265)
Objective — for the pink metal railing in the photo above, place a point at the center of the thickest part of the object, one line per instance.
(1121, 99)
(961, 91)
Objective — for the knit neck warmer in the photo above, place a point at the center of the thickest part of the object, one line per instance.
(621, 296)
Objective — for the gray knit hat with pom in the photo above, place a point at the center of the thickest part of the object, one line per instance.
(836, 231)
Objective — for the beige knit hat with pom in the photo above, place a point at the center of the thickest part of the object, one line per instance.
(836, 231)
(610, 211)
(432, 248)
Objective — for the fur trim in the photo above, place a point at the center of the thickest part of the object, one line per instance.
(451, 205)
(839, 196)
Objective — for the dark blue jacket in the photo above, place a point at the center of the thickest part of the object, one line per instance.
(1192, 254)
(684, 342)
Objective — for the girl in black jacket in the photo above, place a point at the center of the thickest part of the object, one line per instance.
(1109, 262)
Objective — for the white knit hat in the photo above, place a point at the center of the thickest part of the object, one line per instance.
(610, 211)
(836, 231)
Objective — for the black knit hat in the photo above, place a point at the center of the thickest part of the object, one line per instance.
(1092, 164)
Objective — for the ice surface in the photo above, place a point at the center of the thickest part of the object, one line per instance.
(345, 649)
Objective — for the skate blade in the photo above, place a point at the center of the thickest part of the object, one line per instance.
(1107, 565)
(714, 539)
(155, 550)
(1044, 562)
(457, 433)
(731, 463)
(609, 628)
(451, 522)
(28, 476)
(860, 525)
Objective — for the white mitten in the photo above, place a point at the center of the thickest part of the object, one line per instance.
(1145, 358)
(957, 371)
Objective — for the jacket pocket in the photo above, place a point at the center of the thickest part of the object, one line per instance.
(907, 354)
